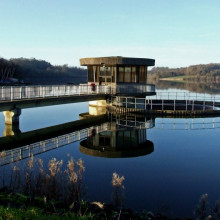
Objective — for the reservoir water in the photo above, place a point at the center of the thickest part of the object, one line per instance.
(183, 164)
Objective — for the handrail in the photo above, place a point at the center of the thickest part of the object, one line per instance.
(150, 102)
(165, 95)
(16, 154)
(188, 124)
(10, 93)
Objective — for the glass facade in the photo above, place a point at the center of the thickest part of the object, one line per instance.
(123, 74)
(134, 78)
(127, 73)
(132, 74)
(105, 71)
(120, 74)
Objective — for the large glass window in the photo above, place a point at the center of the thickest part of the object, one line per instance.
(121, 74)
(113, 73)
(133, 74)
(90, 74)
(127, 78)
(142, 74)
(105, 71)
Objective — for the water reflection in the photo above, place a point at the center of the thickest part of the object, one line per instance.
(209, 88)
(125, 137)
(182, 158)
(112, 136)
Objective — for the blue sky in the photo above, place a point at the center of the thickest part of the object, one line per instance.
(174, 32)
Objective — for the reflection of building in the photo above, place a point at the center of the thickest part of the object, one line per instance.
(128, 76)
(117, 141)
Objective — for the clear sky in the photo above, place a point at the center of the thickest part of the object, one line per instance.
(174, 32)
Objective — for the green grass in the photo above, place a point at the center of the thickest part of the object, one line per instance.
(177, 78)
(17, 206)
(36, 213)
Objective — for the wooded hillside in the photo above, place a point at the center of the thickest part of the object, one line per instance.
(35, 71)
(199, 73)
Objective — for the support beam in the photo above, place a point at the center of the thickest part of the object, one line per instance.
(12, 122)
(97, 107)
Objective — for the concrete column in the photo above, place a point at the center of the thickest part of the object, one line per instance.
(11, 122)
(97, 107)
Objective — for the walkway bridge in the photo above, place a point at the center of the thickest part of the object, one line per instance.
(12, 97)
(15, 98)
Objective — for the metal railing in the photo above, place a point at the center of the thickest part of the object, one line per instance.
(163, 104)
(166, 95)
(188, 124)
(134, 88)
(17, 154)
(10, 93)
(135, 124)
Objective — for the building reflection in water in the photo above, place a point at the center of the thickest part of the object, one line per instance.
(125, 136)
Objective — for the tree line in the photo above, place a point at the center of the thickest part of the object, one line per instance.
(33, 71)
(199, 73)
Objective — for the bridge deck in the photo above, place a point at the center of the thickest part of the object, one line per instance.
(40, 102)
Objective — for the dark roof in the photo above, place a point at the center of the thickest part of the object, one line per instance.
(116, 61)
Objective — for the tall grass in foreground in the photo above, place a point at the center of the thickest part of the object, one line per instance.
(56, 181)
(53, 181)
(118, 193)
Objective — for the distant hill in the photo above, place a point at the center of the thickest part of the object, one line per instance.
(33, 71)
(202, 73)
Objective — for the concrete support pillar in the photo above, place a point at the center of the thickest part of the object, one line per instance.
(97, 107)
(11, 122)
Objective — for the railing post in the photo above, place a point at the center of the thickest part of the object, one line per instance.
(162, 104)
(186, 104)
(151, 105)
(203, 105)
(29, 150)
(20, 153)
(57, 142)
(98, 89)
(12, 156)
(11, 91)
(174, 104)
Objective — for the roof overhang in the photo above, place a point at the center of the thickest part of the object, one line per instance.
(114, 61)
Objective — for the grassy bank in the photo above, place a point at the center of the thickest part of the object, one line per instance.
(17, 206)
(182, 79)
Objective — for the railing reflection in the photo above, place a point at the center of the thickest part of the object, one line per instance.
(19, 153)
(127, 137)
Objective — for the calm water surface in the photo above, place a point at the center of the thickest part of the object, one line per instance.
(184, 164)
